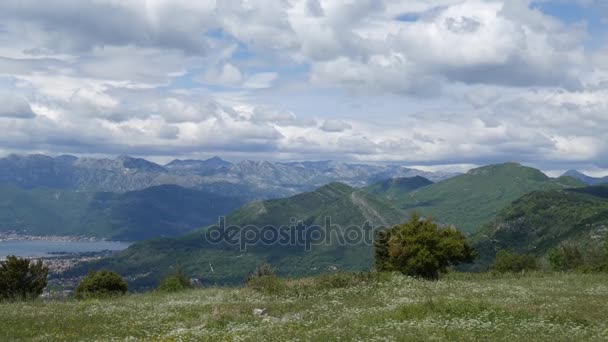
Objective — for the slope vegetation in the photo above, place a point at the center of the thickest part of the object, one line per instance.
(226, 262)
(544, 219)
(470, 200)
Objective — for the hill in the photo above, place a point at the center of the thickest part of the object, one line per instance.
(226, 263)
(471, 307)
(544, 219)
(167, 210)
(586, 179)
(472, 199)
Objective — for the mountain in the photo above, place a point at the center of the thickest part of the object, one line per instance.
(348, 209)
(586, 179)
(166, 210)
(249, 180)
(470, 200)
(394, 188)
(206, 167)
(544, 219)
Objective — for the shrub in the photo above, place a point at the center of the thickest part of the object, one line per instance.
(101, 284)
(22, 279)
(263, 279)
(508, 262)
(272, 284)
(570, 258)
(421, 248)
(176, 282)
(565, 258)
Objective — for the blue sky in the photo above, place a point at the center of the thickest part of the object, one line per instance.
(433, 83)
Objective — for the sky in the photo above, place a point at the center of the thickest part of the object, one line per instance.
(433, 83)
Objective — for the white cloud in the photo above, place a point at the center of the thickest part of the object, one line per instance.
(421, 81)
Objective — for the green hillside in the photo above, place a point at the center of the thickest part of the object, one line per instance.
(470, 200)
(224, 263)
(395, 188)
(544, 219)
(166, 210)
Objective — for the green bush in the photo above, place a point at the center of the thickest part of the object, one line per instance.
(101, 284)
(565, 258)
(264, 280)
(271, 284)
(22, 279)
(508, 262)
(176, 282)
(421, 248)
(570, 258)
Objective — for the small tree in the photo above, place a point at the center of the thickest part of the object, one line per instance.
(421, 248)
(175, 282)
(101, 284)
(509, 262)
(22, 279)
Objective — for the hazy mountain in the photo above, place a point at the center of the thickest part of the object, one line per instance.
(586, 179)
(247, 179)
(166, 210)
(225, 263)
(470, 200)
(544, 219)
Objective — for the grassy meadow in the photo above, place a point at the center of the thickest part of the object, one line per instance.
(465, 307)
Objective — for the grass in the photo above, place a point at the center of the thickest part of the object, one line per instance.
(538, 306)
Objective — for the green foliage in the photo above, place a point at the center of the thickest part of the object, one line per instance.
(565, 258)
(22, 279)
(569, 257)
(509, 262)
(178, 281)
(264, 280)
(421, 248)
(101, 284)
(540, 221)
(268, 284)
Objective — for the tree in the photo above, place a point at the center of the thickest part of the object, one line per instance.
(101, 284)
(421, 248)
(509, 262)
(22, 279)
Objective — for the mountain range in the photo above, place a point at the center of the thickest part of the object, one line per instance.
(249, 180)
(467, 201)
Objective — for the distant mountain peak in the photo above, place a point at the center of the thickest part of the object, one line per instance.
(584, 178)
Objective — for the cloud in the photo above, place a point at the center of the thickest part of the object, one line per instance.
(15, 106)
(335, 126)
(425, 82)
(261, 80)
